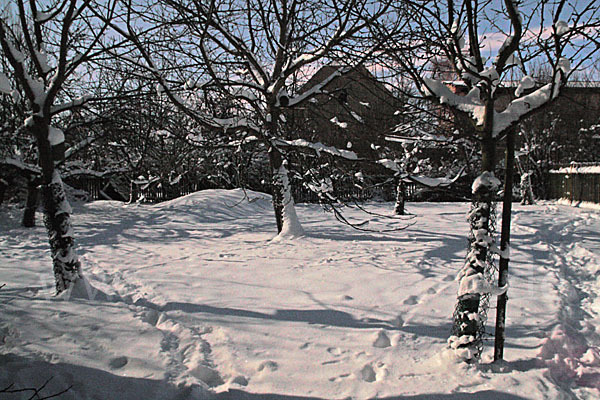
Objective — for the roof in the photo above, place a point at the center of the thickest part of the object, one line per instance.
(357, 73)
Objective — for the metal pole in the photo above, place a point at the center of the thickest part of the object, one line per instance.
(504, 245)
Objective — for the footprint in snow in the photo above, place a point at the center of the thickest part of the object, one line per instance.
(207, 375)
(118, 362)
(268, 365)
(304, 346)
(382, 340)
(367, 374)
(412, 300)
(335, 351)
(240, 380)
(339, 377)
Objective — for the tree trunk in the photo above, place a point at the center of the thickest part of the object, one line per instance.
(133, 192)
(277, 189)
(400, 196)
(467, 329)
(3, 187)
(57, 213)
(31, 204)
(283, 201)
(526, 190)
(504, 247)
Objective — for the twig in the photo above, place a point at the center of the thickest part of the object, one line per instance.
(36, 391)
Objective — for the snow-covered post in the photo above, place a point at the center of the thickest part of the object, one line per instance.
(133, 191)
(400, 197)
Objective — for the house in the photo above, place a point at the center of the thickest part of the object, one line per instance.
(353, 111)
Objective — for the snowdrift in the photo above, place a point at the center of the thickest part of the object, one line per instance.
(218, 204)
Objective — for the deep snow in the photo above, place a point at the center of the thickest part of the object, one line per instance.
(193, 299)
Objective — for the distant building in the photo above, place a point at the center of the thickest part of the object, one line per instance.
(352, 111)
(562, 127)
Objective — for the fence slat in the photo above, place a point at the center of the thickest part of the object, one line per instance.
(575, 187)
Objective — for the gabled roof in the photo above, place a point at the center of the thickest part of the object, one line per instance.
(357, 73)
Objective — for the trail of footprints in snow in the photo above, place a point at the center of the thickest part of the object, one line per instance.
(370, 372)
(187, 354)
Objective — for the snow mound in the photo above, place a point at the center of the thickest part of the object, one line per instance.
(220, 204)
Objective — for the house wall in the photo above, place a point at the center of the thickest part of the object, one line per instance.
(356, 100)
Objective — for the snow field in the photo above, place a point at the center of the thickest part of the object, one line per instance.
(192, 299)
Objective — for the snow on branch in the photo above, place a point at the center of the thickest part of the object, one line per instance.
(318, 88)
(78, 102)
(519, 107)
(319, 147)
(469, 104)
(78, 146)
(422, 180)
(32, 169)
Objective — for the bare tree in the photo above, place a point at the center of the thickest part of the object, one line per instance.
(249, 51)
(457, 35)
(45, 44)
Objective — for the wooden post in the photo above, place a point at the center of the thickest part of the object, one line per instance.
(504, 246)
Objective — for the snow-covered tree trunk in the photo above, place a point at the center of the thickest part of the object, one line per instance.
(57, 213)
(31, 203)
(467, 329)
(400, 198)
(283, 202)
(288, 224)
(133, 192)
(525, 188)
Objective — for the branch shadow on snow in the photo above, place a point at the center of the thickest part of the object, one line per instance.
(85, 382)
(325, 317)
(235, 394)
(317, 317)
(149, 225)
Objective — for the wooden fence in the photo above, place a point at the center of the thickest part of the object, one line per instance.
(385, 192)
(575, 186)
(108, 189)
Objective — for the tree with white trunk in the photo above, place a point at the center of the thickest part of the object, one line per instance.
(44, 44)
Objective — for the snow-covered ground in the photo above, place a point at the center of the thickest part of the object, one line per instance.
(191, 299)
